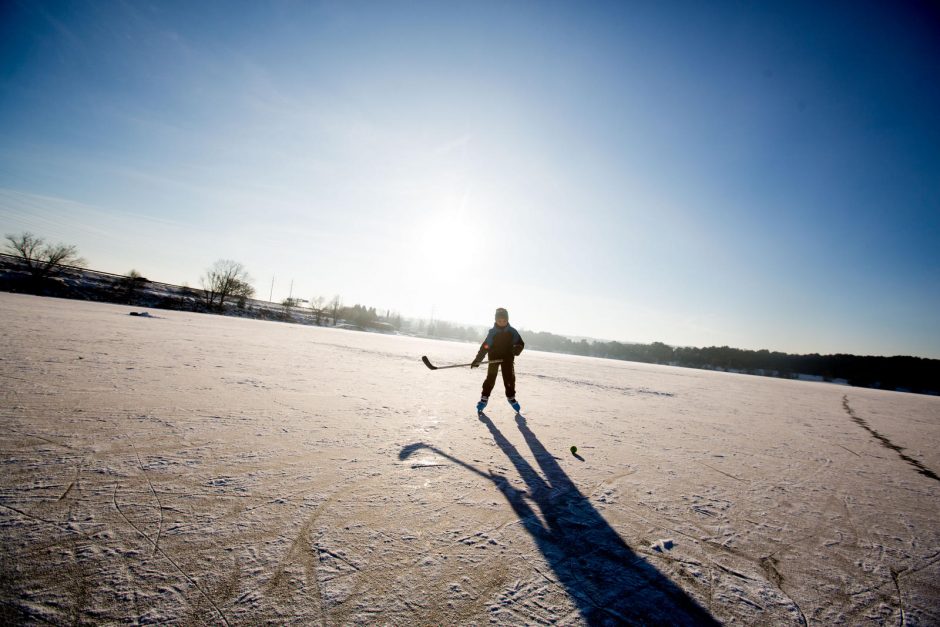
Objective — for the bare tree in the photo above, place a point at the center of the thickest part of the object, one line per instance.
(41, 258)
(335, 305)
(225, 278)
(317, 304)
(288, 304)
(130, 285)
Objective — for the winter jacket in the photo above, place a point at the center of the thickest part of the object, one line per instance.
(501, 343)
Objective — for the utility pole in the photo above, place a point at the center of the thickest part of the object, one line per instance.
(271, 295)
(291, 293)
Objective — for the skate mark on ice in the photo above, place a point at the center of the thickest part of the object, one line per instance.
(849, 450)
(606, 579)
(608, 388)
(721, 472)
(169, 559)
(156, 543)
(300, 549)
(62, 526)
(73, 485)
(769, 565)
(40, 437)
(885, 442)
(67, 490)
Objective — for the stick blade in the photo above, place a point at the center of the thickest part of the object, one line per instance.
(427, 362)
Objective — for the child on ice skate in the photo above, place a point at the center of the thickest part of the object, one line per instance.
(502, 343)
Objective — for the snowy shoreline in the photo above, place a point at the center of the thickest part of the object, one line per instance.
(898, 373)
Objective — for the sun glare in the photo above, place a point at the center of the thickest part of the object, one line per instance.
(446, 246)
(445, 258)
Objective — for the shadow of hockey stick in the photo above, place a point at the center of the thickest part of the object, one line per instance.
(606, 579)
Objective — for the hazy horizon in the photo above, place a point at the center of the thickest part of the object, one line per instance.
(700, 175)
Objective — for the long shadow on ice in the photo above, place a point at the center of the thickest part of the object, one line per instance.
(609, 583)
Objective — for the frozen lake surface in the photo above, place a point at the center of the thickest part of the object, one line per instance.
(187, 468)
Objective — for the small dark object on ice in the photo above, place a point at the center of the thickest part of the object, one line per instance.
(142, 314)
(664, 545)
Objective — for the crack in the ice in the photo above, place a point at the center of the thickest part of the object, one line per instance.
(885, 442)
(896, 575)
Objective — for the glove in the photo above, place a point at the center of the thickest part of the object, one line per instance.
(475, 364)
(517, 349)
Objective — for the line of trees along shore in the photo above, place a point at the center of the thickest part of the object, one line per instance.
(914, 374)
(34, 266)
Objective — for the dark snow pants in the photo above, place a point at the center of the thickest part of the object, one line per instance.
(509, 378)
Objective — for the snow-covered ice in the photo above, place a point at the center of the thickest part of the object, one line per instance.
(188, 468)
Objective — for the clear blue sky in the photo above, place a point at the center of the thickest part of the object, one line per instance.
(761, 175)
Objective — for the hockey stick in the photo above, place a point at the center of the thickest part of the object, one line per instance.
(427, 362)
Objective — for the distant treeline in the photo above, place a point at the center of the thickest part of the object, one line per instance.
(913, 374)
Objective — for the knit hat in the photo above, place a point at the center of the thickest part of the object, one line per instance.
(502, 313)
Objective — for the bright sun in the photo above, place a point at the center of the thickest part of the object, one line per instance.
(446, 247)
